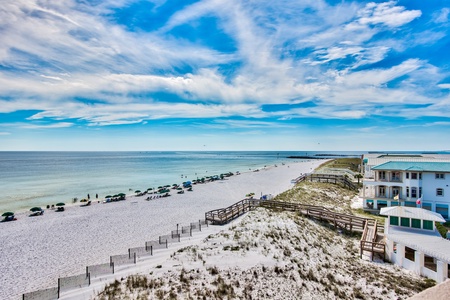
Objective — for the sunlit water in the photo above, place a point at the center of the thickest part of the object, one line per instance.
(30, 179)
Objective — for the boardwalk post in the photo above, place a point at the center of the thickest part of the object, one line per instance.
(59, 287)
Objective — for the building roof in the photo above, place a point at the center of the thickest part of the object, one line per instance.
(420, 166)
(425, 241)
(375, 159)
(411, 212)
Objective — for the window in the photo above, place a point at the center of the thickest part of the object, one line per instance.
(415, 223)
(426, 206)
(407, 175)
(413, 192)
(404, 222)
(428, 225)
(413, 175)
(382, 191)
(439, 192)
(440, 176)
(407, 191)
(420, 191)
(420, 176)
(382, 175)
(395, 191)
(393, 220)
(443, 210)
(395, 176)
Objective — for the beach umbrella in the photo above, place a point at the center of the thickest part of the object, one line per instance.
(160, 187)
(149, 189)
(8, 214)
(175, 184)
(35, 209)
(137, 191)
(109, 196)
(60, 204)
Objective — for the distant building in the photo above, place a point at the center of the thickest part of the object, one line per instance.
(413, 243)
(421, 183)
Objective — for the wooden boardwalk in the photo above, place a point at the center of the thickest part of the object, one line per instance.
(370, 241)
(338, 220)
(332, 178)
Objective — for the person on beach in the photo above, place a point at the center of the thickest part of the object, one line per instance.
(96, 196)
(89, 197)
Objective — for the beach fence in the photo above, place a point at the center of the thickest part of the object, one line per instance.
(132, 257)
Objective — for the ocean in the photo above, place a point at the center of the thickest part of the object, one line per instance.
(30, 179)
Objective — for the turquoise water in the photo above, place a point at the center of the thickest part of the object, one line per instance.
(30, 179)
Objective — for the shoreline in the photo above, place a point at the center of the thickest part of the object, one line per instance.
(21, 210)
(61, 244)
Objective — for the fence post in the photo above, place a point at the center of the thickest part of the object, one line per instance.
(167, 244)
(190, 231)
(89, 278)
(134, 257)
(151, 250)
(87, 270)
(113, 267)
(199, 225)
(59, 286)
(177, 228)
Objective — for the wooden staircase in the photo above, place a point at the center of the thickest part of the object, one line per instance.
(371, 242)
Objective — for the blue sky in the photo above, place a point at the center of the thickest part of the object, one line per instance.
(224, 75)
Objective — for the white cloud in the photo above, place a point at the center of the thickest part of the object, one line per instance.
(386, 13)
(444, 85)
(4, 133)
(441, 16)
(377, 77)
(119, 69)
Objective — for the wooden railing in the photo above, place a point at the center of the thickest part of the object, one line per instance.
(369, 239)
(338, 220)
(331, 178)
(222, 216)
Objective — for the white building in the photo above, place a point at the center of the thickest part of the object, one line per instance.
(413, 243)
(407, 183)
(371, 160)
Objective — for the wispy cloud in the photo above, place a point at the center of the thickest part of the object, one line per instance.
(73, 63)
(47, 126)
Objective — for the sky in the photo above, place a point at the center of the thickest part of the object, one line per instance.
(224, 75)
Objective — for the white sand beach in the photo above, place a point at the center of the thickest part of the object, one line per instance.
(35, 251)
